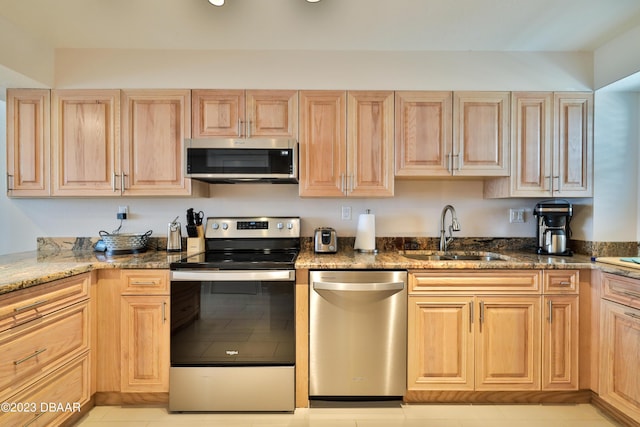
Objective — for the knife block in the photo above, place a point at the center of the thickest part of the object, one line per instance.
(195, 245)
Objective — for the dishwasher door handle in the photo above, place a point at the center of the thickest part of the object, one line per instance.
(358, 287)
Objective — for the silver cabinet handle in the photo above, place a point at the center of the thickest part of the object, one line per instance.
(31, 356)
(628, 293)
(113, 182)
(342, 190)
(249, 129)
(550, 311)
(29, 306)
(630, 314)
(470, 315)
(549, 183)
(9, 178)
(164, 312)
(34, 419)
(148, 283)
(351, 183)
(558, 186)
(122, 182)
(565, 283)
(481, 312)
(457, 168)
(358, 287)
(239, 128)
(450, 162)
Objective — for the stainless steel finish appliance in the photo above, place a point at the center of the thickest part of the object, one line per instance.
(553, 231)
(325, 240)
(242, 160)
(233, 319)
(174, 236)
(358, 334)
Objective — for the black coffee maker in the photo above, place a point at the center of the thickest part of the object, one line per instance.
(553, 230)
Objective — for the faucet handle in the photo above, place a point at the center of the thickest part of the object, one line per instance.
(455, 225)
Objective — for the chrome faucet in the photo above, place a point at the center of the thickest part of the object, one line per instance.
(455, 226)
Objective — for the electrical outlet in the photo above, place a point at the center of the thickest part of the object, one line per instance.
(346, 213)
(122, 212)
(516, 216)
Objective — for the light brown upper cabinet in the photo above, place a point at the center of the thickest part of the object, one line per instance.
(28, 142)
(423, 133)
(85, 130)
(97, 151)
(346, 144)
(452, 134)
(154, 126)
(552, 147)
(245, 114)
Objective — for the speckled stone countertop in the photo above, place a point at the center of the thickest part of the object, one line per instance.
(22, 270)
(25, 269)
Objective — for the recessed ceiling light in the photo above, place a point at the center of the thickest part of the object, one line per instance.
(217, 2)
(313, 1)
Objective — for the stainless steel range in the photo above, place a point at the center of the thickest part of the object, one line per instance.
(232, 318)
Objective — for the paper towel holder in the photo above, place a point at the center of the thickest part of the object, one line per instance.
(366, 251)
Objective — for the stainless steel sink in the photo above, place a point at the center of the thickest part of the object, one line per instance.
(422, 256)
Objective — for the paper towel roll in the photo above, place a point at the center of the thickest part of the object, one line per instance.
(366, 233)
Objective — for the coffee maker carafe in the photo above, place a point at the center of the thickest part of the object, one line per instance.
(553, 230)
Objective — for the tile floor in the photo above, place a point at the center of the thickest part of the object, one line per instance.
(582, 415)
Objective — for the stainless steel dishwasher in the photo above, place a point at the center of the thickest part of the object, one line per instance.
(357, 333)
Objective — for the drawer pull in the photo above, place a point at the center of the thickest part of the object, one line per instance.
(27, 307)
(31, 356)
(147, 283)
(564, 283)
(34, 419)
(629, 294)
(635, 316)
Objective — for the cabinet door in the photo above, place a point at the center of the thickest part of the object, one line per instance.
(532, 142)
(28, 143)
(619, 355)
(145, 344)
(370, 149)
(508, 343)
(573, 163)
(560, 343)
(272, 113)
(154, 126)
(423, 133)
(323, 151)
(218, 113)
(480, 134)
(440, 352)
(85, 126)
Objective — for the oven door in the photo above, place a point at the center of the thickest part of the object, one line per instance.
(233, 318)
(232, 341)
(239, 160)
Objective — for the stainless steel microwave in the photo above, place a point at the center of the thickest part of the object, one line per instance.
(242, 160)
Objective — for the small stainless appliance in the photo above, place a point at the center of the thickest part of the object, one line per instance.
(357, 334)
(233, 319)
(242, 160)
(325, 240)
(553, 230)
(174, 236)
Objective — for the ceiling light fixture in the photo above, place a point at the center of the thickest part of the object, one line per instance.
(217, 2)
(313, 1)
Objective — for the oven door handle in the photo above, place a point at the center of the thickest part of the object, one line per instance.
(232, 275)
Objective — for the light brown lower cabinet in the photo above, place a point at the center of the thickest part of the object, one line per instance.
(133, 333)
(45, 352)
(620, 344)
(473, 330)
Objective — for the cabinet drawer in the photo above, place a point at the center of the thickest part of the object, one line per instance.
(68, 386)
(145, 282)
(486, 282)
(17, 308)
(41, 346)
(621, 289)
(561, 281)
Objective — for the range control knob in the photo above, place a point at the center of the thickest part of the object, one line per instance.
(290, 225)
(215, 226)
(280, 226)
(225, 226)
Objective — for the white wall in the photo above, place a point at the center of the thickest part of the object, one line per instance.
(415, 210)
